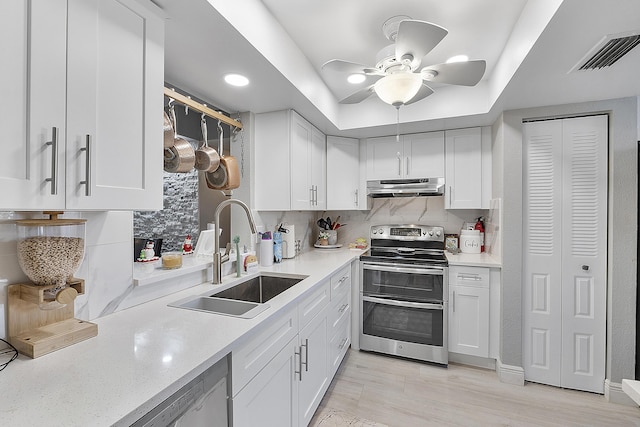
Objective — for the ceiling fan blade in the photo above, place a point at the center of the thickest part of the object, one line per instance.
(348, 67)
(422, 93)
(358, 96)
(466, 73)
(417, 38)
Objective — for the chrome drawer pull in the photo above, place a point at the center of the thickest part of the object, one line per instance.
(342, 343)
(54, 161)
(306, 356)
(87, 176)
(299, 354)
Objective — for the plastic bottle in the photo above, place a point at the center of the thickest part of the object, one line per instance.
(480, 227)
(266, 250)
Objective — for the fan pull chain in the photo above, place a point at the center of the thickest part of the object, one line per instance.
(398, 123)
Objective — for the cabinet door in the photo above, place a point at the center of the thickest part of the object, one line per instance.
(301, 152)
(463, 154)
(271, 397)
(315, 380)
(384, 158)
(469, 320)
(343, 173)
(318, 168)
(424, 155)
(33, 36)
(114, 94)
(272, 179)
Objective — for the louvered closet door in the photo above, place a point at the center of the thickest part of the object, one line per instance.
(584, 253)
(542, 251)
(565, 252)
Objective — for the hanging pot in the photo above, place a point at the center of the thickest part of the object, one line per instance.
(227, 176)
(169, 134)
(207, 158)
(180, 157)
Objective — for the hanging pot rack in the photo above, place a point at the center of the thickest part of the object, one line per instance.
(185, 100)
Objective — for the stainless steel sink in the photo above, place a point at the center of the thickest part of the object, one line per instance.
(260, 289)
(246, 300)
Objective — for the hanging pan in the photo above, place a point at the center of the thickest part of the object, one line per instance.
(227, 176)
(181, 156)
(207, 158)
(169, 134)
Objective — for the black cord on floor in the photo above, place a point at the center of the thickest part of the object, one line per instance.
(11, 350)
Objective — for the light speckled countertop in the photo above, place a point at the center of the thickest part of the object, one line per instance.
(142, 354)
(476, 260)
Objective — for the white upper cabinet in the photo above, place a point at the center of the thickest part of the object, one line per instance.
(413, 156)
(84, 124)
(296, 179)
(468, 168)
(344, 190)
(32, 166)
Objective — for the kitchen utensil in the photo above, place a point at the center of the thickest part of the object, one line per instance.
(207, 158)
(179, 158)
(335, 223)
(227, 176)
(169, 133)
(322, 223)
(329, 223)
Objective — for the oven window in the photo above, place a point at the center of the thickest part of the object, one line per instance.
(404, 286)
(417, 325)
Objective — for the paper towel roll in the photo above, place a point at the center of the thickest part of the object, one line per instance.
(289, 242)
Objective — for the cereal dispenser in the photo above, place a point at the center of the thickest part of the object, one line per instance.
(40, 315)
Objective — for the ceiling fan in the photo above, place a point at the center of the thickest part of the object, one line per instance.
(397, 78)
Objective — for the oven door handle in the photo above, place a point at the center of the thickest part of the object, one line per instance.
(392, 268)
(410, 304)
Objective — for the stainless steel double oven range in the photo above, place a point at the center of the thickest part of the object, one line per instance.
(403, 293)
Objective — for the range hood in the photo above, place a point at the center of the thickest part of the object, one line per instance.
(406, 187)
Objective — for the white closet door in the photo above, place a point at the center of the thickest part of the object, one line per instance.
(542, 251)
(565, 234)
(584, 253)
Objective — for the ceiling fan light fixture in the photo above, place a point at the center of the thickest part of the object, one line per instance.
(356, 78)
(397, 89)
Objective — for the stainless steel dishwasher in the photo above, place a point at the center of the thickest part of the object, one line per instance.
(202, 402)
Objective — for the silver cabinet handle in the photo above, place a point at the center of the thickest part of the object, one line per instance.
(343, 278)
(315, 195)
(342, 343)
(407, 170)
(311, 195)
(474, 277)
(87, 173)
(356, 197)
(343, 308)
(450, 191)
(399, 165)
(54, 161)
(306, 356)
(299, 354)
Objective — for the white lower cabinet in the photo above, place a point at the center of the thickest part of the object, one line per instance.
(469, 303)
(280, 375)
(271, 397)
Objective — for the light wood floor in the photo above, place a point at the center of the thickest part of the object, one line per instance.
(402, 393)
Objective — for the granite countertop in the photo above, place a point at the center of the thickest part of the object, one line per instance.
(476, 260)
(143, 354)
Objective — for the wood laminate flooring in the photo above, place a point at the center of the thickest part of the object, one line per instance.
(375, 390)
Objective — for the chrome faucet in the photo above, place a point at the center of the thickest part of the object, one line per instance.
(218, 258)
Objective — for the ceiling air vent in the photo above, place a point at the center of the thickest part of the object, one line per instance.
(608, 50)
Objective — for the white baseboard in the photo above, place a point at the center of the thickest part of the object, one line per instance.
(479, 362)
(613, 393)
(510, 374)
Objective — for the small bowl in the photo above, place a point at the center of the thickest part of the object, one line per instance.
(171, 260)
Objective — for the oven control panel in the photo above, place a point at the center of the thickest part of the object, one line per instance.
(407, 232)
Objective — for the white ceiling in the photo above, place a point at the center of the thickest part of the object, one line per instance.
(529, 46)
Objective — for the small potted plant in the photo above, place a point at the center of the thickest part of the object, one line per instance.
(323, 238)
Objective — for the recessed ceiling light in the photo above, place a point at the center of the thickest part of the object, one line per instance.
(236, 80)
(356, 78)
(458, 58)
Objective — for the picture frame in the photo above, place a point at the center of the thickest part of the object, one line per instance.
(451, 242)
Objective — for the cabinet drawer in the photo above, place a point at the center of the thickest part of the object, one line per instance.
(339, 344)
(251, 357)
(340, 309)
(313, 304)
(340, 281)
(469, 276)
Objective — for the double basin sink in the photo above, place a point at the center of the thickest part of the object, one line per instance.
(246, 300)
